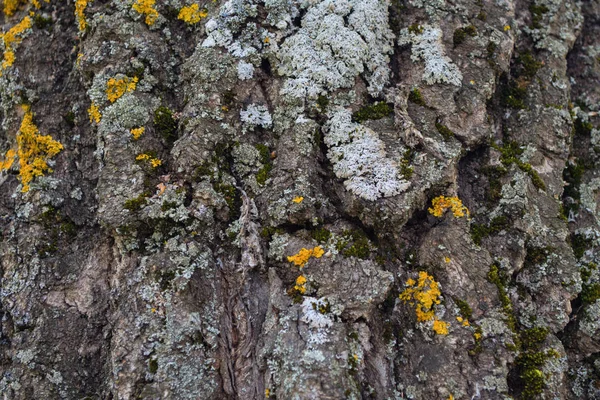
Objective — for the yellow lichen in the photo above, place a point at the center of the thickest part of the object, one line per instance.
(301, 258)
(10, 6)
(34, 150)
(477, 335)
(300, 284)
(267, 393)
(192, 14)
(440, 327)
(447, 260)
(298, 199)
(12, 38)
(94, 113)
(442, 203)
(146, 7)
(115, 88)
(425, 292)
(9, 159)
(80, 6)
(155, 162)
(137, 132)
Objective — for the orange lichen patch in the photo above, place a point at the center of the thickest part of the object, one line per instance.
(447, 260)
(298, 199)
(154, 162)
(192, 14)
(477, 335)
(137, 132)
(300, 284)
(80, 6)
(11, 39)
(115, 88)
(301, 258)
(34, 150)
(440, 327)
(9, 159)
(10, 6)
(94, 113)
(146, 7)
(425, 292)
(440, 204)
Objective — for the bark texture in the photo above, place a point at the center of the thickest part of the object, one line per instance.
(300, 199)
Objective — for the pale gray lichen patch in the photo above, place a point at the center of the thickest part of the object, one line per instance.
(256, 115)
(428, 47)
(359, 157)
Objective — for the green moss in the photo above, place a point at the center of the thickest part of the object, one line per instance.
(323, 103)
(465, 310)
(446, 133)
(494, 176)
(514, 96)
(136, 203)
(228, 97)
(354, 244)
(41, 22)
(70, 119)
(461, 34)
(536, 255)
(580, 243)
(416, 97)
(152, 365)
(587, 270)
(482, 16)
(373, 111)
(537, 14)
(405, 168)
(165, 124)
(531, 380)
(509, 154)
(590, 293)
(527, 65)
(229, 194)
(496, 225)
(498, 277)
(416, 29)
(321, 235)
(265, 158)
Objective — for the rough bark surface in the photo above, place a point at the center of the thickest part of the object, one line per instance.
(272, 232)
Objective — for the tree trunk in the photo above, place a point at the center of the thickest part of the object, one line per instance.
(300, 199)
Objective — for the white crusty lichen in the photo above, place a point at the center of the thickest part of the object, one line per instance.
(256, 115)
(358, 156)
(245, 70)
(428, 47)
(327, 53)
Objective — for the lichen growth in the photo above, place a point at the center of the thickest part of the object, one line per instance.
(34, 150)
(11, 39)
(137, 132)
(146, 7)
(192, 14)
(359, 157)
(441, 204)
(301, 258)
(94, 113)
(425, 292)
(116, 88)
(80, 6)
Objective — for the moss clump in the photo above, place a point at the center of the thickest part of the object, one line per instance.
(531, 380)
(590, 293)
(527, 65)
(323, 103)
(446, 133)
(354, 244)
(136, 203)
(228, 97)
(509, 154)
(265, 158)
(416, 97)
(536, 255)
(498, 277)
(165, 124)
(465, 310)
(321, 235)
(514, 95)
(152, 365)
(537, 14)
(416, 29)
(374, 111)
(70, 119)
(41, 22)
(580, 243)
(496, 225)
(405, 169)
(573, 176)
(461, 34)
(494, 176)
